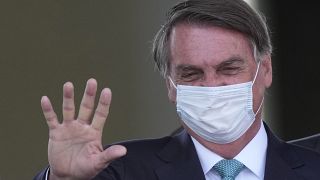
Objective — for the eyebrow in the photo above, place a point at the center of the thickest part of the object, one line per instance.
(234, 60)
(186, 67)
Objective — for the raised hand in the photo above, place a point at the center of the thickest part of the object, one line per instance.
(75, 150)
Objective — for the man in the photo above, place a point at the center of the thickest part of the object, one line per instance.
(216, 58)
(311, 142)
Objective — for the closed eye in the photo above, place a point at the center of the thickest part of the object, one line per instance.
(189, 73)
(232, 66)
(190, 76)
(229, 70)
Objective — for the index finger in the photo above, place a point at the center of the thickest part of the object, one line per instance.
(102, 110)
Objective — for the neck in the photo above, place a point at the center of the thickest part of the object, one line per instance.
(230, 150)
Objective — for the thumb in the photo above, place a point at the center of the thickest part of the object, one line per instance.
(110, 154)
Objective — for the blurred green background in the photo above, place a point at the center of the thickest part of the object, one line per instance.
(46, 43)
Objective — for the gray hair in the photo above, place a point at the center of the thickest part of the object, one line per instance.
(235, 15)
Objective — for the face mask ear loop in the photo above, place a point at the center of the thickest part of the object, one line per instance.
(172, 82)
(259, 107)
(255, 76)
(254, 79)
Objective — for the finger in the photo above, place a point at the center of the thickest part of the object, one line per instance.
(110, 154)
(68, 108)
(87, 103)
(102, 110)
(49, 113)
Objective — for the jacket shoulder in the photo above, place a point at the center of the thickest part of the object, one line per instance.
(306, 161)
(307, 154)
(310, 142)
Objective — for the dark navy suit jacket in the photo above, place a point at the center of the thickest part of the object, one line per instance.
(311, 142)
(175, 158)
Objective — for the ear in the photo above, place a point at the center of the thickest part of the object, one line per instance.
(171, 91)
(267, 70)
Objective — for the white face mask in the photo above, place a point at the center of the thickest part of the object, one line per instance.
(217, 114)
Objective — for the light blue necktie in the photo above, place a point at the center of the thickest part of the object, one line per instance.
(228, 169)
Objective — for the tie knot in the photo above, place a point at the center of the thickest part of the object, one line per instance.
(228, 169)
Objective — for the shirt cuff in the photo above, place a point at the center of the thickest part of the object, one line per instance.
(47, 174)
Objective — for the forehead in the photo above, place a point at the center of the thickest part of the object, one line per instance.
(207, 45)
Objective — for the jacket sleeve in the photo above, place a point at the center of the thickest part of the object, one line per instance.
(42, 174)
(113, 172)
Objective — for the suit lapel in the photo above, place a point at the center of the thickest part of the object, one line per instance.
(281, 161)
(181, 159)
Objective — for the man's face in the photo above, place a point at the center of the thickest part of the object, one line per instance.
(213, 56)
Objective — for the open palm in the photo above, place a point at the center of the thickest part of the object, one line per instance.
(75, 150)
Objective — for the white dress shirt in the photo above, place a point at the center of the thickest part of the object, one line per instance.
(253, 156)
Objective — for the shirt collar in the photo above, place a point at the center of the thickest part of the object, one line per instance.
(253, 155)
(207, 158)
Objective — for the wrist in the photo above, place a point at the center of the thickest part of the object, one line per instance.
(53, 176)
